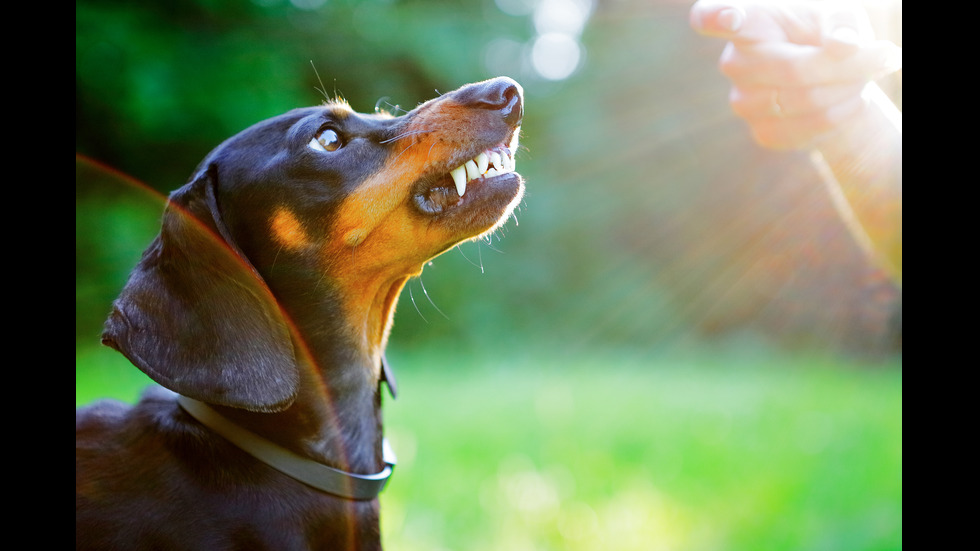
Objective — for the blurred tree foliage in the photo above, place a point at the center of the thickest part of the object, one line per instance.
(649, 216)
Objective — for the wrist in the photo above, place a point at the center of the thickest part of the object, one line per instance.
(877, 123)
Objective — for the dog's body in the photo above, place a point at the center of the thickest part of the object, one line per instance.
(269, 295)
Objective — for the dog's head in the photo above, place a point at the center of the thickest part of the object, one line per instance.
(319, 196)
(374, 188)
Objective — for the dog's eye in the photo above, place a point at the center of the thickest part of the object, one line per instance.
(326, 140)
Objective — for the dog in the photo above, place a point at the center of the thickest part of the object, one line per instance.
(263, 309)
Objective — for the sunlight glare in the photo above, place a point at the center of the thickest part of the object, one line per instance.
(555, 55)
(557, 51)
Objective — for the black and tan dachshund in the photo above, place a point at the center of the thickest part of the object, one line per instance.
(263, 309)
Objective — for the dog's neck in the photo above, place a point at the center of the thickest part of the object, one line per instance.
(336, 418)
(369, 308)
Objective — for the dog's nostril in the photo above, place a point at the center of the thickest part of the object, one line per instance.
(517, 114)
(513, 110)
(500, 94)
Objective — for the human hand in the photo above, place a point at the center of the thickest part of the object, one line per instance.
(798, 67)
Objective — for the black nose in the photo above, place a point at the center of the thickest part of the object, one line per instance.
(501, 94)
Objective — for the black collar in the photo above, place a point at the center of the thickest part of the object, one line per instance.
(319, 476)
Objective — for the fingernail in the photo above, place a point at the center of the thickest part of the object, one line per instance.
(730, 19)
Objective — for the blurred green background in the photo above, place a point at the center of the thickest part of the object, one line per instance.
(675, 345)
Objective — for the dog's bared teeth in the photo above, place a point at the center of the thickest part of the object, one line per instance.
(485, 165)
(459, 178)
(472, 172)
(507, 160)
(495, 160)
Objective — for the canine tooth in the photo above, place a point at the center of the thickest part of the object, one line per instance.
(482, 162)
(459, 177)
(495, 160)
(472, 172)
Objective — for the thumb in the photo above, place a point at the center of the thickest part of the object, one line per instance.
(846, 30)
(716, 19)
(881, 58)
(842, 41)
(735, 20)
(850, 39)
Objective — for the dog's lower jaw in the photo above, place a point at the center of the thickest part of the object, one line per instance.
(516, 194)
(409, 240)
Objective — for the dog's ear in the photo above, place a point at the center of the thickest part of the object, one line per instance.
(196, 316)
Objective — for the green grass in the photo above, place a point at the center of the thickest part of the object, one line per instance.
(625, 453)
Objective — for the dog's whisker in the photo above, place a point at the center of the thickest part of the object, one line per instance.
(495, 249)
(276, 258)
(405, 135)
(395, 108)
(377, 105)
(461, 253)
(411, 295)
(430, 299)
(322, 89)
(316, 285)
(410, 146)
(402, 152)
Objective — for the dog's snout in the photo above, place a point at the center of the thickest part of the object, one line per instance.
(501, 94)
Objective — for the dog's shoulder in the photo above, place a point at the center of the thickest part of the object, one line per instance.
(156, 405)
(147, 476)
(137, 437)
(134, 453)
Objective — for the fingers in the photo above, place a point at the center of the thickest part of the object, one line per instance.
(846, 29)
(752, 21)
(778, 128)
(758, 103)
(795, 43)
(716, 19)
(797, 68)
(792, 65)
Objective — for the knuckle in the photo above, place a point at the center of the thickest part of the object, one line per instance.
(739, 103)
(728, 67)
(730, 64)
(792, 72)
(773, 136)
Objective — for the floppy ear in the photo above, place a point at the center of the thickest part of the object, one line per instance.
(196, 316)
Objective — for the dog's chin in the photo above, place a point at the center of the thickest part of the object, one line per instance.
(486, 204)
